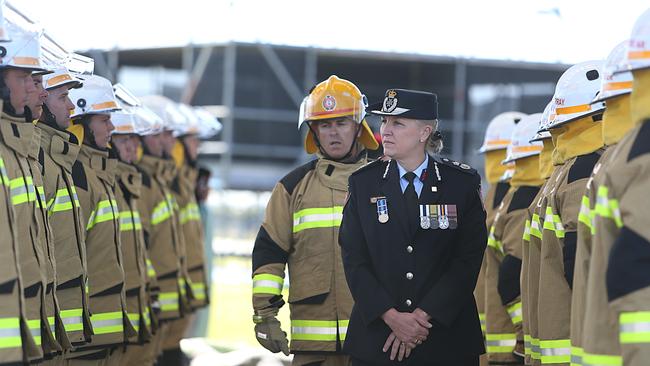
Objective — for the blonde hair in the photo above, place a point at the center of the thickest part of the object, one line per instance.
(434, 142)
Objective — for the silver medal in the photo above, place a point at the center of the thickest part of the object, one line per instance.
(424, 222)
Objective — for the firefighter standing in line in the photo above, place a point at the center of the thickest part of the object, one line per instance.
(495, 144)
(160, 221)
(125, 139)
(59, 150)
(18, 343)
(94, 178)
(593, 328)
(621, 228)
(300, 230)
(577, 147)
(530, 241)
(20, 154)
(505, 341)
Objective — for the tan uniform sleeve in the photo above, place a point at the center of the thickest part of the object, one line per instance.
(271, 250)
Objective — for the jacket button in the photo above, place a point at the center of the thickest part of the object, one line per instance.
(408, 302)
(409, 249)
(409, 276)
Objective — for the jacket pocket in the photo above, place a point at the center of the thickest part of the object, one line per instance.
(310, 277)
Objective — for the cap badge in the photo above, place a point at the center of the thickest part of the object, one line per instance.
(329, 103)
(390, 102)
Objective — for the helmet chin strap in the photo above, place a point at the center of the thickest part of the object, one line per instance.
(325, 154)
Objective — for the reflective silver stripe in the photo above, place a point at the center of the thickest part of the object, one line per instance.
(106, 322)
(558, 351)
(635, 327)
(72, 320)
(10, 332)
(314, 330)
(502, 343)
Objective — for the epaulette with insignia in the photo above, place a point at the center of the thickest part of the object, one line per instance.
(369, 165)
(457, 165)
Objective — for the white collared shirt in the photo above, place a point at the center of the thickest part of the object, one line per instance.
(417, 182)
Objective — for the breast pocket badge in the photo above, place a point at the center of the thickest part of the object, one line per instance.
(441, 217)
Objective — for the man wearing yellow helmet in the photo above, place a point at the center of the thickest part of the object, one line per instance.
(301, 229)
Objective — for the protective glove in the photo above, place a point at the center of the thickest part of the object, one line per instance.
(271, 336)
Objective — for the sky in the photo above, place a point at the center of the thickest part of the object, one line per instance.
(567, 31)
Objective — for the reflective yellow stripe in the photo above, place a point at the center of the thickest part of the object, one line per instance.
(589, 359)
(22, 190)
(3, 171)
(61, 202)
(535, 227)
(41, 197)
(10, 336)
(35, 329)
(105, 323)
(106, 211)
(267, 284)
(553, 223)
(584, 216)
(161, 212)
(151, 271)
(555, 351)
(198, 289)
(134, 318)
(526, 236)
(608, 207)
(500, 342)
(481, 318)
(318, 330)
(130, 221)
(311, 218)
(535, 351)
(577, 354)
(527, 344)
(493, 242)
(72, 319)
(168, 301)
(515, 313)
(189, 213)
(634, 327)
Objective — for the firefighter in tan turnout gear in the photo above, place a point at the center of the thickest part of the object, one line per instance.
(577, 139)
(594, 328)
(59, 150)
(20, 154)
(504, 315)
(494, 148)
(621, 238)
(160, 222)
(300, 231)
(94, 178)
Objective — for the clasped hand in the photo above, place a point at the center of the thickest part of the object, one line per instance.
(409, 330)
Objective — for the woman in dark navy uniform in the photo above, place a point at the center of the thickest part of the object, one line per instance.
(413, 236)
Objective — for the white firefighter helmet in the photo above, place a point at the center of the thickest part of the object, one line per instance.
(135, 120)
(542, 129)
(191, 124)
(499, 131)
(615, 83)
(209, 124)
(23, 51)
(521, 145)
(575, 91)
(166, 109)
(96, 96)
(638, 46)
(61, 77)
